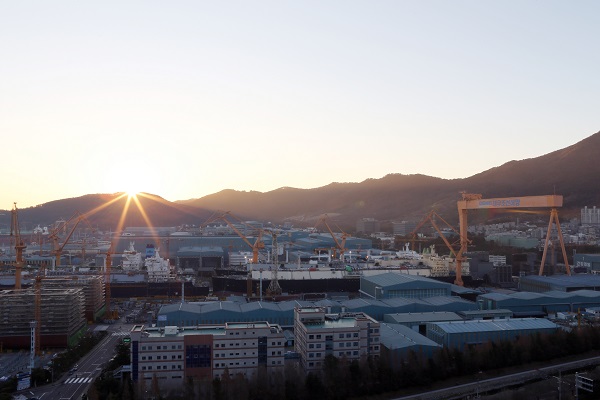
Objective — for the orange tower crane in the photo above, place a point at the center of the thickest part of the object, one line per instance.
(340, 245)
(15, 231)
(431, 216)
(258, 243)
(475, 202)
(54, 234)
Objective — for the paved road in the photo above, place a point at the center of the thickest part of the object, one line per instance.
(473, 388)
(72, 386)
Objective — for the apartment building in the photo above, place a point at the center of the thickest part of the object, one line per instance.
(173, 354)
(348, 336)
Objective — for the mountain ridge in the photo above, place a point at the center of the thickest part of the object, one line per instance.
(570, 171)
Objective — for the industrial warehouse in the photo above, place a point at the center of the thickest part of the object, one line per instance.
(386, 303)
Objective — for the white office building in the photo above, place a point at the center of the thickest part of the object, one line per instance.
(348, 336)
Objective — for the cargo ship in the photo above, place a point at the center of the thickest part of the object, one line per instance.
(171, 289)
(301, 280)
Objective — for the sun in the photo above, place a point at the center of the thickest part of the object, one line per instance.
(132, 193)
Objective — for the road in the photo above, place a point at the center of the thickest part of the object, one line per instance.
(72, 386)
(480, 386)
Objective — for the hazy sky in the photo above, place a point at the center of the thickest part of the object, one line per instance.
(186, 98)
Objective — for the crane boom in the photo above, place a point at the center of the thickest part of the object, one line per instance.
(258, 244)
(341, 246)
(58, 248)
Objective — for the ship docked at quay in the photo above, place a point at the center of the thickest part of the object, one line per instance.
(152, 276)
(331, 276)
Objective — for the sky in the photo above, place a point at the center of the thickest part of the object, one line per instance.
(186, 98)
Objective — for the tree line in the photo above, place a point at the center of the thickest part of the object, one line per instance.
(385, 376)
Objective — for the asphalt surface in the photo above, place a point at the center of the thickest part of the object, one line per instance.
(71, 386)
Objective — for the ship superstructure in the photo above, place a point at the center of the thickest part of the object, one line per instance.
(132, 259)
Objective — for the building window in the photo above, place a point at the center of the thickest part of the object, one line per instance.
(198, 356)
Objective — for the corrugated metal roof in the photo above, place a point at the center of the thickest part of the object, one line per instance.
(443, 300)
(530, 296)
(394, 336)
(422, 317)
(392, 278)
(402, 301)
(565, 280)
(496, 325)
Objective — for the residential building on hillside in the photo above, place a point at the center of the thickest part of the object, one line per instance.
(404, 228)
(367, 225)
(348, 336)
(590, 216)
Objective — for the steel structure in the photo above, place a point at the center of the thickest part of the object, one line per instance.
(339, 245)
(472, 201)
(258, 243)
(15, 231)
(274, 288)
(54, 234)
(431, 217)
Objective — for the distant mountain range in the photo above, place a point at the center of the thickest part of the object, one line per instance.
(572, 172)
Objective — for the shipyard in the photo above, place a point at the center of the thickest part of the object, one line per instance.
(339, 200)
(228, 271)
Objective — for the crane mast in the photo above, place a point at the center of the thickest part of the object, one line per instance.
(340, 246)
(274, 288)
(15, 231)
(58, 248)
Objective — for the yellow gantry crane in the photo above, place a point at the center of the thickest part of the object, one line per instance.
(472, 201)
